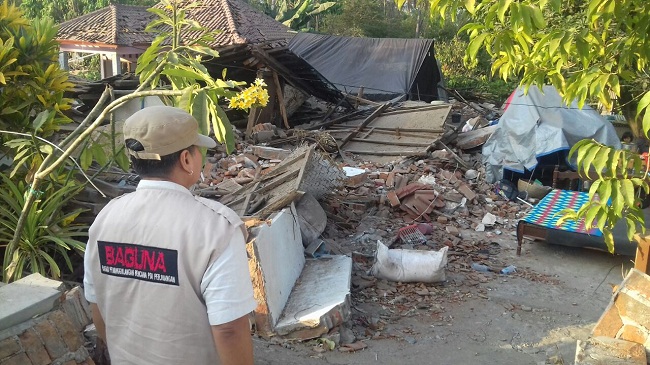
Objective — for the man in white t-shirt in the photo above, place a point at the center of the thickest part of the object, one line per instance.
(166, 272)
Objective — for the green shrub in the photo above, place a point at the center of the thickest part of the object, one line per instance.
(49, 233)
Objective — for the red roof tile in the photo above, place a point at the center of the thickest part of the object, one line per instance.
(124, 25)
(114, 25)
(238, 22)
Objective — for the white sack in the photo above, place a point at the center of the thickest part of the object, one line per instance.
(409, 265)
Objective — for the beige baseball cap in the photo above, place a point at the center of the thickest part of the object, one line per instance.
(163, 130)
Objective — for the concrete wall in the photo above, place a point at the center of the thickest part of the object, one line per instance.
(276, 262)
(53, 334)
(628, 315)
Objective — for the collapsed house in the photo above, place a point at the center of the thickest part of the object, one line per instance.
(250, 44)
(378, 68)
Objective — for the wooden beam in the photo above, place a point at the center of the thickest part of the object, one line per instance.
(391, 143)
(358, 98)
(335, 120)
(285, 72)
(252, 119)
(363, 125)
(641, 261)
(398, 130)
(417, 109)
(283, 109)
(331, 110)
(387, 153)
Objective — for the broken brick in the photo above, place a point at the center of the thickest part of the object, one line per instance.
(390, 180)
(452, 230)
(467, 192)
(356, 180)
(393, 199)
(409, 189)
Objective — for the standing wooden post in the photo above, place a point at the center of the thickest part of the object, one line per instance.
(283, 109)
(252, 118)
(359, 96)
(253, 114)
(641, 261)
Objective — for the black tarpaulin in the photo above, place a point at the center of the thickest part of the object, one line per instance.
(385, 67)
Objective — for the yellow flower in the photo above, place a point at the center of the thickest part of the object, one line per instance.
(253, 96)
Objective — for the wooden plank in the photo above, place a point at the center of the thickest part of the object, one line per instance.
(388, 153)
(340, 128)
(358, 98)
(335, 120)
(366, 121)
(416, 109)
(391, 143)
(283, 109)
(475, 138)
(283, 70)
(242, 210)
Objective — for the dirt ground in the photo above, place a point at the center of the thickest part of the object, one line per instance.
(503, 319)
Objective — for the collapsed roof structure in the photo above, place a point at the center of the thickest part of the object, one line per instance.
(249, 41)
(384, 67)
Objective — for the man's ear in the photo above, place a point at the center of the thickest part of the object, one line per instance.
(185, 160)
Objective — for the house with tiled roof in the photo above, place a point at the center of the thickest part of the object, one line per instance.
(250, 43)
(116, 32)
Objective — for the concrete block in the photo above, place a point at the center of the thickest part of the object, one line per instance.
(320, 299)
(20, 359)
(26, 298)
(8, 347)
(51, 339)
(270, 153)
(77, 308)
(605, 350)
(276, 263)
(72, 338)
(311, 217)
(633, 307)
(610, 322)
(41, 281)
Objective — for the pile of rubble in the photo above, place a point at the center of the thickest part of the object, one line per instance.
(413, 203)
(389, 174)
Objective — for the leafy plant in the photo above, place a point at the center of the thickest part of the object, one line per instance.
(192, 88)
(33, 85)
(49, 233)
(178, 60)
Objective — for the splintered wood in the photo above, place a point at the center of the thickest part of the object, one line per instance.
(304, 171)
(386, 135)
